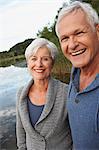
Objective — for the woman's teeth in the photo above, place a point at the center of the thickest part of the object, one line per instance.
(39, 70)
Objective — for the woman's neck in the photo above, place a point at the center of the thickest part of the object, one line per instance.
(37, 93)
(41, 85)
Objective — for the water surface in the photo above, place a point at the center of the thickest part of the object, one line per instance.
(11, 79)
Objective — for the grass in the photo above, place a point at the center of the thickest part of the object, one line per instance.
(5, 62)
(61, 70)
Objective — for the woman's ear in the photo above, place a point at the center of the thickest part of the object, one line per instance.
(53, 61)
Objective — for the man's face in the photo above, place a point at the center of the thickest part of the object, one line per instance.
(79, 41)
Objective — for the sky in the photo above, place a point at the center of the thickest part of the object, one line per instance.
(22, 19)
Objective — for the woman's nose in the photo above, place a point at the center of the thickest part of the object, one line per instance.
(39, 62)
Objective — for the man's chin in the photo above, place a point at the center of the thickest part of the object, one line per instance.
(77, 65)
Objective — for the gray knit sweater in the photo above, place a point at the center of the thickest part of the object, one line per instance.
(51, 132)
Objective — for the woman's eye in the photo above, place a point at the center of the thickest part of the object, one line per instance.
(45, 59)
(34, 59)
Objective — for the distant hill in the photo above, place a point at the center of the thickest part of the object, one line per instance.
(16, 50)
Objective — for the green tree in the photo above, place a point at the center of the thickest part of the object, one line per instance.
(94, 3)
(49, 33)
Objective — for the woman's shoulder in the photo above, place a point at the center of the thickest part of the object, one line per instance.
(24, 89)
(20, 91)
(60, 86)
(60, 83)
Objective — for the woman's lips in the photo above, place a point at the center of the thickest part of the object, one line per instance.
(39, 70)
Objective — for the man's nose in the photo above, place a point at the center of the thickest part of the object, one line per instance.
(72, 43)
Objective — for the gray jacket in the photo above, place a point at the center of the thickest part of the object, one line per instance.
(51, 132)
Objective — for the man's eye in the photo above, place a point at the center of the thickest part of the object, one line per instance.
(80, 33)
(64, 39)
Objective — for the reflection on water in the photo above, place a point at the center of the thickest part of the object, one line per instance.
(11, 79)
(7, 129)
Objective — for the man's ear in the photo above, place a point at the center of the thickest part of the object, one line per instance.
(97, 30)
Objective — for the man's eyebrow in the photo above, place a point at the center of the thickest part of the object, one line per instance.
(64, 36)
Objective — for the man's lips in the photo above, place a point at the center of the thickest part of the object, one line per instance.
(75, 53)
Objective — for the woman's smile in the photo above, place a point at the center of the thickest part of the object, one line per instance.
(39, 70)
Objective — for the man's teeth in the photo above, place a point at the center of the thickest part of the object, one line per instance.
(78, 52)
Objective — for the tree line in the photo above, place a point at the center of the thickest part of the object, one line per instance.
(47, 32)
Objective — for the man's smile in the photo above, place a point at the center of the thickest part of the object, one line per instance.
(75, 53)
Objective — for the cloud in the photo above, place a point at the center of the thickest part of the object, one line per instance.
(22, 20)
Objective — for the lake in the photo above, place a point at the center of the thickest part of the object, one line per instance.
(11, 79)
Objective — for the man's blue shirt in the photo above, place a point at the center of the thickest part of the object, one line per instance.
(83, 110)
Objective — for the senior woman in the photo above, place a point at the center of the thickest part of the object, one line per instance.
(42, 122)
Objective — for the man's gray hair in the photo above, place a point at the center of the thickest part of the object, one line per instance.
(85, 7)
(38, 43)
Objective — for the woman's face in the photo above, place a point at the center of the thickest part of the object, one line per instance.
(40, 64)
